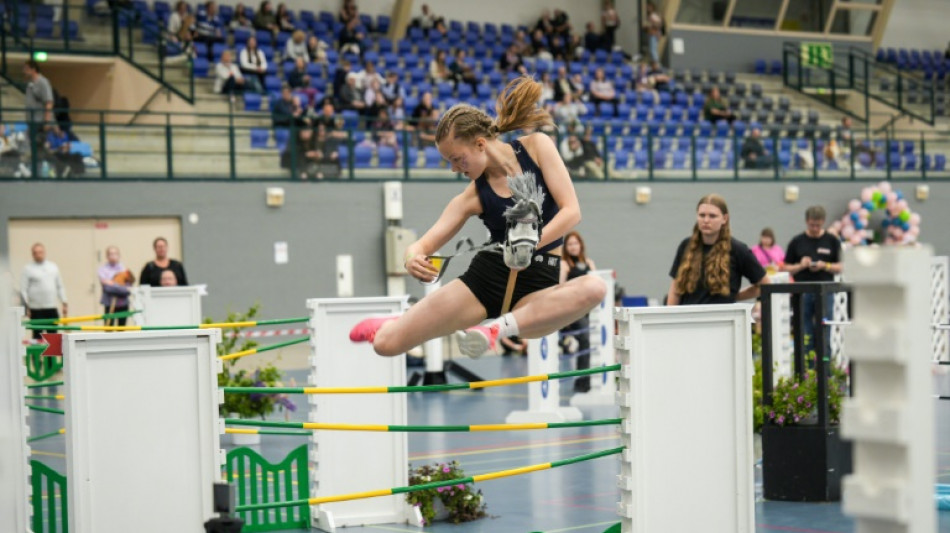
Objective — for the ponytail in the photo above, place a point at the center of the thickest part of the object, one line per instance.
(517, 109)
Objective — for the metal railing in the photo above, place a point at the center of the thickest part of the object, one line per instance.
(182, 146)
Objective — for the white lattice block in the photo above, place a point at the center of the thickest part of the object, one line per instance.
(876, 500)
(881, 342)
(877, 423)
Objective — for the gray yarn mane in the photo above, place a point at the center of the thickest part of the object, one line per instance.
(528, 197)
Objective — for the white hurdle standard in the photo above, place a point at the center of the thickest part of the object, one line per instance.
(142, 430)
(544, 397)
(940, 307)
(15, 508)
(603, 387)
(686, 399)
(348, 461)
(890, 419)
(782, 345)
(167, 306)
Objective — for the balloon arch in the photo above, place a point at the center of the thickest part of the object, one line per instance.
(899, 225)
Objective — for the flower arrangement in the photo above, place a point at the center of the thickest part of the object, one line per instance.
(462, 502)
(795, 400)
(248, 405)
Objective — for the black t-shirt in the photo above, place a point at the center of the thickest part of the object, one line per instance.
(742, 264)
(152, 273)
(826, 248)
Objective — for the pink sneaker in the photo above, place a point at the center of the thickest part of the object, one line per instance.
(475, 341)
(365, 330)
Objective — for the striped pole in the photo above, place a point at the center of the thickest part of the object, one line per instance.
(249, 431)
(211, 325)
(46, 409)
(262, 349)
(56, 397)
(60, 431)
(420, 388)
(428, 486)
(44, 384)
(85, 318)
(423, 429)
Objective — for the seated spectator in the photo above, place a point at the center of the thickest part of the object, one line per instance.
(10, 164)
(317, 49)
(315, 158)
(601, 89)
(844, 130)
(580, 94)
(461, 71)
(265, 19)
(240, 20)
(297, 47)
(351, 96)
(299, 81)
(423, 110)
(522, 43)
(651, 79)
(563, 85)
(392, 89)
(374, 99)
(547, 88)
(350, 38)
(439, 67)
(210, 28)
(288, 110)
(560, 47)
(593, 40)
(57, 147)
(284, 22)
(176, 20)
(186, 37)
(328, 119)
(578, 161)
(369, 73)
(384, 131)
(227, 77)
(716, 108)
(422, 121)
(61, 114)
(253, 65)
(339, 79)
(567, 114)
(511, 60)
(397, 112)
(754, 155)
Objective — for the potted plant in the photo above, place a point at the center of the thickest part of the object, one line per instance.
(458, 503)
(247, 405)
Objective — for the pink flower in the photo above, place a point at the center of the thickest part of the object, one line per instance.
(446, 469)
(801, 399)
(460, 486)
(440, 489)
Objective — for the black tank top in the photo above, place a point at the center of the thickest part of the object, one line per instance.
(579, 269)
(493, 206)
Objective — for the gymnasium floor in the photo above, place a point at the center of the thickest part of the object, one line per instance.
(579, 498)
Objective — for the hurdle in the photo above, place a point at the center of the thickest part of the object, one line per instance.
(602, 390)
(890, 418)
(166, 306)
(544, 397)
(109, 486)
(662, 422)
(940, 307)
(15, 503)
(781, 313)
(336, 361)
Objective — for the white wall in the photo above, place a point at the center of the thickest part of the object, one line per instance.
(918, 24)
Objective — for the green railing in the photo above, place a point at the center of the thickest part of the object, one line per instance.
(258, 481)
(50, 509)
(40, 367)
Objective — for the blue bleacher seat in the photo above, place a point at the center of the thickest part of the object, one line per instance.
(659, 159)
(433, 159)
(252, 102)
(44, 28)
(81, 148)
(387, 156)
(272, 83)
(910, 162)
(679, 159)
(259, 137)
(621, 159)
(200, 67)
(281, 136)
(641, 159)
(382, 24)
(715, 159)
(362, 156)
(940, 162)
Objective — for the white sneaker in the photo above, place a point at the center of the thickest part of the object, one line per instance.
(474, 342)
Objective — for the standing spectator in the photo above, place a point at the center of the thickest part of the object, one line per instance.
(561, 24)
(317, 49)
(575, 263)
(545, 25)
(814, 256)
(427, 19)
(265, 19)
(253, 65)
(593, 40)
(611, 22)
(168, 278)
(350, 38)
(328, 158)
(349, 11)
(340, 75)
(716, 108)
(753, 151)
(297, 47)
(227, 77)
(210, 28)
(654, 30)
(709, 265)
(152, 271)
(115, 280)
(240, 20)
(462, 72)
(770, 255)
(439, 67)
(41, 287)
(601, 89)
(284, 21)
(299, 81)
(39, 102)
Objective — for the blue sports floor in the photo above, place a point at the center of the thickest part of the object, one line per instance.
(579, 498)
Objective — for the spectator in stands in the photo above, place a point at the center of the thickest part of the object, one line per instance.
(522, 43)
(186, 36)
(57, 149)
(177, 19)
(563, 85)
(328, 119)
(350, 38)
(42, 288)
(265, 19)
(392, 89)
(423, 109)
(374, 99)
(227, 77)
(152, 271)
(558, 45)
(339, 78)
(385, 132)
(317, 49)
(511, 60)
(288, 110)
(168, 278)
(116, 281)
(424, 120)
(284, 22)
(369, 73)
(349, 12)
(545, 25)
(547, 89)
(658, 77)
(253, 65)
(513, 345)
(567, 113)
(770, 255)
(561, 24)
(39, 98)
(601, 89)
(299, 81)
(210, 28)
(439, 67)
(753, 151)
(611, 22)
(539, 45)
(716, 108)
(351, 96)
(297, 47)
(427, 19)
(653, 28)
(946, 54)
(328, 156)
(462, 72)
(593, 40)
(240, 20)
(10, 164)
(581, 94)
(844, 130)
(578, 160)
(397, 112)
(306, 155)
(592, 153)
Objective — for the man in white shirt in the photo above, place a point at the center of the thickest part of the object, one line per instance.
(41, 288)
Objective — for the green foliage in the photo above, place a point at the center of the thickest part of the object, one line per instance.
(462, 502)
(758, 411)
(795, 399)
(247, 405)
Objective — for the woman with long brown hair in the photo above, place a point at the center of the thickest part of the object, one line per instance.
(515, 188)
(709, 265)
(576, 335)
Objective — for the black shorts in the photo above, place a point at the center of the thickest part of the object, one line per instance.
(487, 278)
